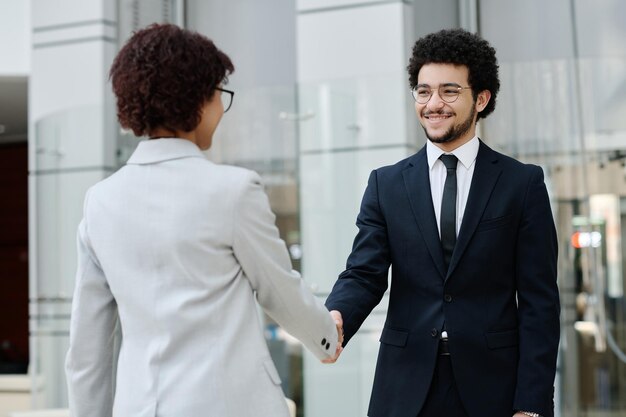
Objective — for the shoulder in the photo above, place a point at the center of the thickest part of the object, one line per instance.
(237, 184)
(401, 165)
(236, 175)
(510, 164)
(231, 171)
(101, 187)
(215, 175)
(396, 169)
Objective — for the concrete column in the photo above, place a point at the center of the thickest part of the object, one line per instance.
(72, 144)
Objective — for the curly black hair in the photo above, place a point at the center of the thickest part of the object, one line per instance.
(162, 77)
(459, 47)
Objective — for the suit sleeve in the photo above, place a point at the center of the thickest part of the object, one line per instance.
(362, 285)
(89, 362)
(281, 292)
(538, 301)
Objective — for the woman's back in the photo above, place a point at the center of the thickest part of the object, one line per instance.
(172, 233)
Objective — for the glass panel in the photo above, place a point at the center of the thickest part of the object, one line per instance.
(49, 340)
(348, 127)
(71, 139)
(259, 132)
(333, 185)
(561, 106)
(65, 166)
(355, 112)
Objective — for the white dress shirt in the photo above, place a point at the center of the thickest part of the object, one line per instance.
(466, 155)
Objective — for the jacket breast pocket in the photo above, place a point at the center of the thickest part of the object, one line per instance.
(494, 223)
(499, 340)
(394, 337)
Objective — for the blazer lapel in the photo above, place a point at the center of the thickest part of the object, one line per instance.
(486, 174)
(417, 183)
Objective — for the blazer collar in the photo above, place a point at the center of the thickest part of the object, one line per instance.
(486, 175)
(159, 150)
(417, 183)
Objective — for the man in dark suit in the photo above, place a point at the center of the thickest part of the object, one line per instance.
(472, 327)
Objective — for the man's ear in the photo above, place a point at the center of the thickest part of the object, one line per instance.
(482, 100)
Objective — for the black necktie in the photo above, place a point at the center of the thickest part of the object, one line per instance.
(448, 208)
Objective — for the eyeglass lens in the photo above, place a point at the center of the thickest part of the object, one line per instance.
(226, 100)
(448, 93)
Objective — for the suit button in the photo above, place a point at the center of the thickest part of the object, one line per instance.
(323, 341)
(447, 298)
(434, 332)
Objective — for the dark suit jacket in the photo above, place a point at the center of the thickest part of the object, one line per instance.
(499, 297)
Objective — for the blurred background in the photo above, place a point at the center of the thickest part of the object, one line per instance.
(322, 98)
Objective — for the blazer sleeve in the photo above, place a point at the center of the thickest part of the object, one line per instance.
(89, 362)
(362, 285)
(280, 290)
(538, 301)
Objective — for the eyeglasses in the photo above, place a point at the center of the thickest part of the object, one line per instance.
(227, 98)
(447, 92)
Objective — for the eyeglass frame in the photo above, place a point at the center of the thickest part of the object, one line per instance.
(232, 96)
(432, 90)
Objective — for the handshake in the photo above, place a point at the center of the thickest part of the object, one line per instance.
(336, 315)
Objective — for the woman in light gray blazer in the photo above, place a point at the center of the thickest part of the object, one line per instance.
(178, 249)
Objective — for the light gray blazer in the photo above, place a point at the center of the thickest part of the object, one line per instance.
(178, 247)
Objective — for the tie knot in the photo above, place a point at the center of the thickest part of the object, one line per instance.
(449, 161)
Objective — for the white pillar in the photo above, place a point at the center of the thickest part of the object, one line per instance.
(72, 144)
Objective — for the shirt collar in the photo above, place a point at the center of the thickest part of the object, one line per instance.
(158, 150)
(466, 153)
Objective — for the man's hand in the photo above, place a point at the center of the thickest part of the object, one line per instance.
(336, 315)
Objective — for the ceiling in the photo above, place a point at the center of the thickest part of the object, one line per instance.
(13, 109)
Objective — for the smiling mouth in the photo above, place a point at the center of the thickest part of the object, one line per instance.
(435, 117)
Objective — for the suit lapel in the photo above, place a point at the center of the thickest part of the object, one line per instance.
(417, 183)
(486, 174)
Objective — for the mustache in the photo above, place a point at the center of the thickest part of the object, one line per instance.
(426, 113)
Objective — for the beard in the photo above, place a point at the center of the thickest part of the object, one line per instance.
(455, 131)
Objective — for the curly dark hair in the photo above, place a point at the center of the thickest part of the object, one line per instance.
(162, 77)
(459, 47)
